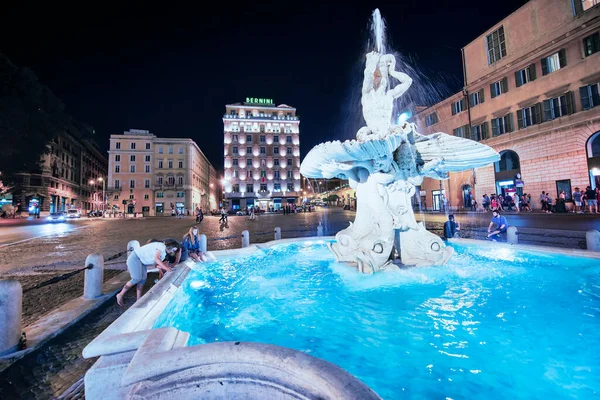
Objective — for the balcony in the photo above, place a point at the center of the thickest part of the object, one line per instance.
(166, 186)
(114, 189)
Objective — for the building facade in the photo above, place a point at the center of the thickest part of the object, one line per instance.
(158, 176)
(262, 155)
(532, 93)
(64, 179)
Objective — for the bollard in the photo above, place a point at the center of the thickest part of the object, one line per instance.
(278, 233)
(94, 277)
(132, 245)
(592, 240)
(11, 301)
(512, 235)
(245, 239)
(203, 243)
(320, 229)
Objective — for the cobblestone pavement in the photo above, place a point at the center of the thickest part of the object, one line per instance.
(108, 237)
(50, 370)
(40, 301)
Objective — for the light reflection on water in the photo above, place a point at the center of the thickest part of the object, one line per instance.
(519, 325)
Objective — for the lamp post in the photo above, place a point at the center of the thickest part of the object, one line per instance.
(103, 195)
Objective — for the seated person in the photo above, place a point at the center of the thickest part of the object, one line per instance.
(501, 226)
(451, 228)
(190, 247)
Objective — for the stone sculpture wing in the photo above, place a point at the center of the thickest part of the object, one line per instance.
(443, 153)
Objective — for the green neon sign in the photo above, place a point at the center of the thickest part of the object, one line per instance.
(257, 100)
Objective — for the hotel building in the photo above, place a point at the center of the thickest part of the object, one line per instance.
(157, 176)
(262, 155)
(531, 92)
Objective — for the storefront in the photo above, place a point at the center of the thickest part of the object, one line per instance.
(159, 208)
(507, 172)
(438, 197)
(180, 208)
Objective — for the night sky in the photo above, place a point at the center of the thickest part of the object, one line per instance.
(171, 70)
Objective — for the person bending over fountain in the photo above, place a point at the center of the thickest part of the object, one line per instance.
(138, 261)
(377, 101)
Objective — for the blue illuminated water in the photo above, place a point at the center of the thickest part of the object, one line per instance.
(519, 325)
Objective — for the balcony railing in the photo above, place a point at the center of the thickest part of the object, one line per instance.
(114, 189)
(166, 186)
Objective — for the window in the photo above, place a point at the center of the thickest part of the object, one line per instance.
(276, 162)
(132, 184)
(276, 175)
(290, 187)
(249, 188)
(476, 98)
(235, 150)
(116, 197)
(479, 132)
(262, 139)
(170, 164)
(170, 149)
(235, 162)
(132, 168)
(249, 150)
(147, 183)
(159, 180)
(147, 146)
(236, 173)
(131, 197)
(236, 188)
(431, 119)
(180, 164)
(171, 180)
(160, 194)
(502, 125)
(263, 187)
(133, 146)
(288, 139)
(117, 168)
(461, 131)
(263, 150)
(132, 158)
(289, 174)
(458, 106)
(289, 162)
(160, 150)
(180, 149)
(496, 46)
(117, 183)
(248, 162)
(581, 6)
(248, 138)
(118, 145)
(277, 187)
(234, 138)
(147, 159)
(497, 88)
(262, 127)
(554, 62)
(180, 180)
(565, 185)
(525, 75)
(160, 163)
(276, 150)
(147, 168)
(289, 150)
(529, 116)
(146, 197)
(275, 139)
(248, 174)
(509, 160)
(589, 96)
(591, 44)
(263, 174)
(118, 158)
(559, 106)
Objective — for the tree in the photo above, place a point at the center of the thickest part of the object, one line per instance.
(30, 116)
(332, 198)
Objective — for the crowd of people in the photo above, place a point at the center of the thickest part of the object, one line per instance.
(508, 202)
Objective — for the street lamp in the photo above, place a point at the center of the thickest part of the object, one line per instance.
(103, 195)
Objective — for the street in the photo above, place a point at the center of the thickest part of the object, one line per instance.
(35, 246)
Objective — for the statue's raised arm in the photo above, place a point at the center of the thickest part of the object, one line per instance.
(405, 80)
(370, 68)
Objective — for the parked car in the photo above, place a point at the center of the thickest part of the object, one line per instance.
(74, 213)
(95, 213)
(57, 217)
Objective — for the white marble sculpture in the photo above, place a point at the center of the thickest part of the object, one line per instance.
(384, 164)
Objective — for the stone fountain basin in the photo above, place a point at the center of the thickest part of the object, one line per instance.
(139, 362)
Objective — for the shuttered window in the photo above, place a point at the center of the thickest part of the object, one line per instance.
(559, 106)
(529, 116)
(554, 62)
(502, 125)
(499, 87)
(589, 96)
(476, 98)
(479, 132)
(525, 75)
(591, 44)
